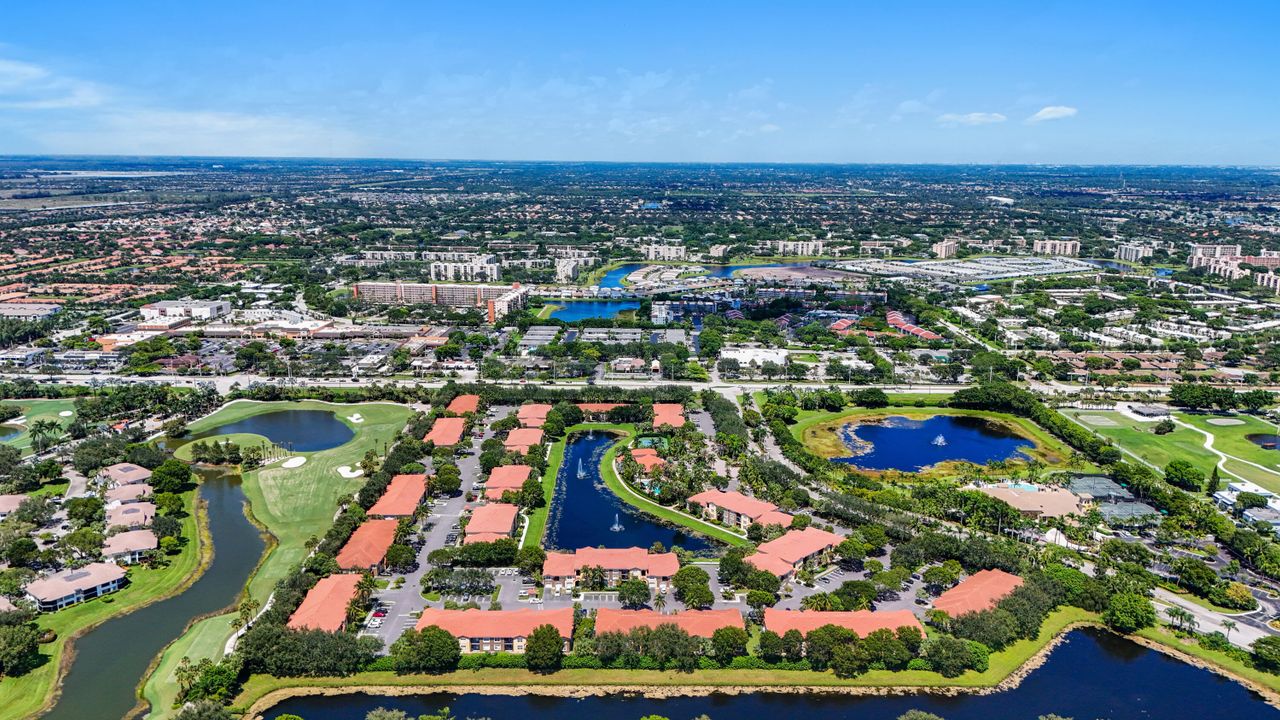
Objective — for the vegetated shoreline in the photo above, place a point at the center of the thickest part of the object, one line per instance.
(205, 539)
(1009, 682)
(143, 706)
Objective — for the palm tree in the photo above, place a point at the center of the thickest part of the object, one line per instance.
(821, 602)
(660, 602)
(1228, 626)
(42, 431)
(1182, 619)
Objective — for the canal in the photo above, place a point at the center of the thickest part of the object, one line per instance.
(1092, 675)
(111, 660)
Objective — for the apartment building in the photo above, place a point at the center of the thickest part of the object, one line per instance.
(1069, 247)
(495, 300)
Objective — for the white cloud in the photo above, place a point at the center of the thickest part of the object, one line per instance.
(973, 118)
(1052, 112)
(25, 86)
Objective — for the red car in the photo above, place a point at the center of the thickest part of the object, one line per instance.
(379, 613)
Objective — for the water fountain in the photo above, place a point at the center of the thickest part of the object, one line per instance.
(581, 473)
(616, 526)
(939, 441)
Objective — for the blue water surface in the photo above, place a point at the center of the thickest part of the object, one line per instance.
(910, 445)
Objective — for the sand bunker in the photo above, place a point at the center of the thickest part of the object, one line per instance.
(346, 472)
(1221, 422)
(1099, 420)
(294, 462)
(66, 413)
(356, 418)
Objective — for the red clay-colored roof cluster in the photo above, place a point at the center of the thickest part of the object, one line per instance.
(622, 559)
(862, 622)
(533, 415)
(402, 497)
(668, 414)
(476, 623)
(521, 439)
(325, 606)
(446, 431)
(980, 591)
(464, 404)
(368, 545)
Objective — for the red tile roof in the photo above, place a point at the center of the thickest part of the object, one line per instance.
(402, 496)
(533, 415)
(499, 518)
(464, 404)
(504, 478)
(668, 414)
(497, 623)
(446, 431)
(699, 623)
(647, 458)
(796, 545)
(624, 559)
(483, 537)
(593, 408)
(770, 563)
(325, 606)
(980, 591)
(521, 439)
(862, 622)
(368, 545)
(735, 502)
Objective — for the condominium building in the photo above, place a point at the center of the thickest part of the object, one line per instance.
(1215, 251)
(194, 309)
(664, 251)
(479, 269)
(1069, 247)
(796, 247)
(496, 300)
(945, 249)
(1128, 252)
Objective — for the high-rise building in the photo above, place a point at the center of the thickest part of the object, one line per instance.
(944, 249)
(495, 300)
(1069, 247)
(1131, 252)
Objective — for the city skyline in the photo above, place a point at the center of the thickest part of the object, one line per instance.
(1085, 84)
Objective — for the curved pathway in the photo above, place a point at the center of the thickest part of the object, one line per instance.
(1223, 457)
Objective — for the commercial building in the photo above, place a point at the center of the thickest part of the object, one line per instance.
(74, 586)
(1034, 501)
(738, 510)
(402, 497)
(978, 592)
(366, 549)
(192, 309)
(698, 623)
(325, 606)
(29, 311)
(562, 571)
(496, 301)
(493, 631)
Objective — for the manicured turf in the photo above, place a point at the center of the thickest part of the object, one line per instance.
(1137, 438)
(1002, 664)
(293, 504)
(23, 696)
(1231, 440)
(40, 410)
(1165, 637)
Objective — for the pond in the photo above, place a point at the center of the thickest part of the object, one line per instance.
(583, 510)
(912, 445)
(575, 310)
(110, 661)
(1091, 675)
(9, 432)
(1264, 440)
(294, 430)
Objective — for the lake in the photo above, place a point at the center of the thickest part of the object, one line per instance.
(613, 278)
(111, 660)
(1091, 675)
(583, 509)
(574, 310)
(294, 430)
(912, 445)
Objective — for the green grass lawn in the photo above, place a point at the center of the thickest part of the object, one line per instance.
(40, 410)
(292, 504)
(1164, 636)
(1232, 440)
(1002, 664)
(1137, 438)
(26, 695)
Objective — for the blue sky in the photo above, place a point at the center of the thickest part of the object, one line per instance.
(946, 82)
